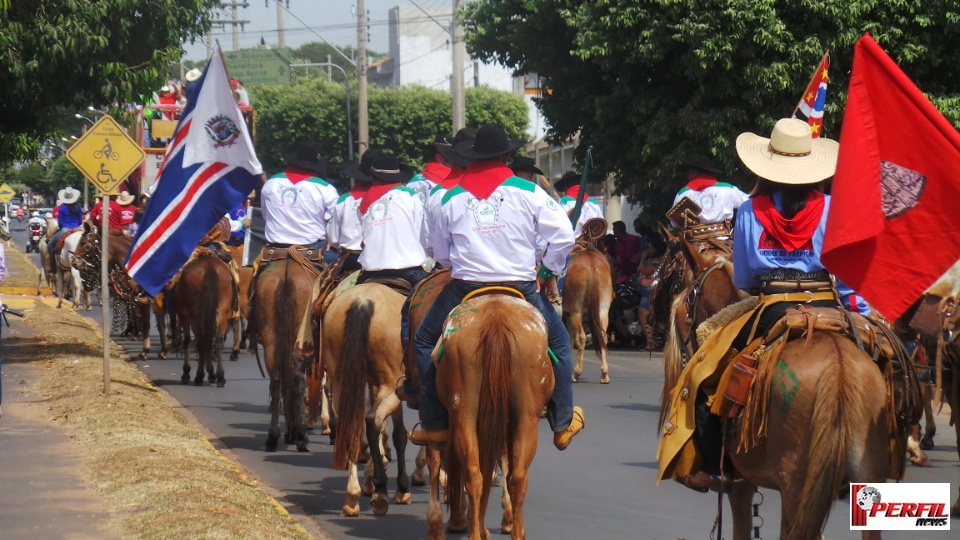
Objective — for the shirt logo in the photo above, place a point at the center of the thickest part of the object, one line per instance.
(288, 196)
(486, 212)
(380, 209)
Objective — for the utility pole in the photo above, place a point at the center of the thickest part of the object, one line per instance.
(363, 138)
(234, 21)
(456, 77)
(281, 39)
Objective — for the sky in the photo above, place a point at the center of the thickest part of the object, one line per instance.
(334, 20)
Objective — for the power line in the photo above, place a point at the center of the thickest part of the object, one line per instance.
(435, 49)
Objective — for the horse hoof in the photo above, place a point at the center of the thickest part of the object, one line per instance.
(198, 382)
(506, 529)
(926, 443)
(401, 498)
(605, 379)
(162, 355)
(325, 430)
(221, 383)
(142, 356)
(418, 479)
(379, 505)
(234, 356)
(456, 527)
(302, 445)
(350, 511)
(922, 461)
(185, 379)
(367, 489)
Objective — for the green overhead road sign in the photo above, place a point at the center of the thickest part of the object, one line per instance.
(269, 67)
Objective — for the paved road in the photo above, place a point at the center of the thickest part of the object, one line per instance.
(602, 487)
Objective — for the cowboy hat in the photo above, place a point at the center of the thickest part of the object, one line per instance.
(307, 155)
(361, 170)
(387, 168)
(68, 195)
(701, 163)
(193, 75)
(568, 179)
(491, 142)
(521, 164)
(445, 146)
(791, 155)
(125, 198)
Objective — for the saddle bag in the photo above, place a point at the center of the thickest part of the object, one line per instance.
(738, 386)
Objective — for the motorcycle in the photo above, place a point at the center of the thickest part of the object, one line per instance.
(36, 233)
(624, 324)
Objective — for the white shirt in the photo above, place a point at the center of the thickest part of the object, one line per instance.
(495, 239)
(296, 213)
(432, 216)
(344, 228)
(393, 235)
(717, 202)
(590, 209)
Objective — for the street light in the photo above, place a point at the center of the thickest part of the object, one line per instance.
(78, 115)
(98, 111)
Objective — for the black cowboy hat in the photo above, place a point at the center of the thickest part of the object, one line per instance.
(387, 168)
(524, 164)
(701, 163)
(491, 142)
(361, 170)
(446, 146)
(308, 155)
(568, 179)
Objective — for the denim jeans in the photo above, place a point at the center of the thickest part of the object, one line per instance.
(432, 413)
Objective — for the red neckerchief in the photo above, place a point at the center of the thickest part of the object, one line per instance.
(298, 174)
(359, 191)
(453, 178)
(701, 182)
(794, 233)
(483, 177)
(572, 191)
(373, 194)
(435, 172)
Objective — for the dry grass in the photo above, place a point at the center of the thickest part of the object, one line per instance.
(20, 271)
(160, 476)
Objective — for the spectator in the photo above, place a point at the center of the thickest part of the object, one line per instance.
(626, 251)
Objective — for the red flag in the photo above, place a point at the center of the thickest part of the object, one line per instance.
(892, 229)
(810, 108)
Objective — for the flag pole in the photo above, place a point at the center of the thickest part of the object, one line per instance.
(582, 194)
(815, 72)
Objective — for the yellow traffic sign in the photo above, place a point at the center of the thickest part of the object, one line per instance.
(106, 154)
(6, 193)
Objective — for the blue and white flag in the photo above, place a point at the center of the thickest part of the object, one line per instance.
(209, 168)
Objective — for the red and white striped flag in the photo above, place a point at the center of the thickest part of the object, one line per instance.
(810, 108)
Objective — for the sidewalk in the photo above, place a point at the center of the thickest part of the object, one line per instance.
(41, 492)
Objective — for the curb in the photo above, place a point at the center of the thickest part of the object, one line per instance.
(25, 291)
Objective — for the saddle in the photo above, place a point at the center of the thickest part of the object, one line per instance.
(594, 229)
(399, 285)
(457, 311)
(271, 253)
(63, 238)
(218, 233)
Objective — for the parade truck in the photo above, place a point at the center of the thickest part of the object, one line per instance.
(153, 132)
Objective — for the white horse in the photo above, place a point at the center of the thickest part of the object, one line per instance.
(44, 251)
(67, 275)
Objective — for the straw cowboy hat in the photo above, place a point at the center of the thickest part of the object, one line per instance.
(68, 195)
(194, 75)
(125, 198)
(791, 155)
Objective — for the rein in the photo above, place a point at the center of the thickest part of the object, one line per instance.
(690, 342)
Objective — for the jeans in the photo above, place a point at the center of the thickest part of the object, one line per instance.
(432, 413)
(56, 238)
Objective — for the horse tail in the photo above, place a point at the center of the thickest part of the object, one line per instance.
(592, 301)
(494, 352)
(672, 358)
(286, 333)
(830, 440)
(209, 309)
(351, 372)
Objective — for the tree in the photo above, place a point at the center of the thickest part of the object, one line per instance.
(402, 120)
(62, 174)
(69, 54)
(647, 82)
(318, 52)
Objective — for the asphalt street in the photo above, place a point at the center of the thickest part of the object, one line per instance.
(602, 487)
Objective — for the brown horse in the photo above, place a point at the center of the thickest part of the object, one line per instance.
(361, 347)
(204, 300)
(831, 427)
(282, 292)
(494, 377)
(587, 294)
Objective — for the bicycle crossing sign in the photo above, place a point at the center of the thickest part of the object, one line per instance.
(106, 154)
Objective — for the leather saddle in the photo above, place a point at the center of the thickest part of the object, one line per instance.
(272, 253)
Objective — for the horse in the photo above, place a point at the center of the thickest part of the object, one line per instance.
(204, 300)
(832, 425)
(44, 250)
(361, 347)
(494, 377)
(587, 294)
(282, 292)
(67, 275)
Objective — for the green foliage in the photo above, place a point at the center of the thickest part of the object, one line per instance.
(45, 177)
(318, 52)
(647, 82)
(402, 120)
(68, 54)
(62, 174)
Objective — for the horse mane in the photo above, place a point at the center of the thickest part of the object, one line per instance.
(672, 358)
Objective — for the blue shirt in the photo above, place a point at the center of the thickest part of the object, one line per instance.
(756, 253)
(70, 216)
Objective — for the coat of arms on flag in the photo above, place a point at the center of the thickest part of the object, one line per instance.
(209, 168)
(810, 108)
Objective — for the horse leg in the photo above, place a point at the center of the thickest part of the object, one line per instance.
(158, 314)
(218, 355)
(927, 392)
(273, 434)
(379, 503)
(579, 339)
(434, 510)
(506, 523)
(402, 496)
(61, 291)
(185, 340)
(77, 285)
(419, 478)
(145, 328)
(467, 449)
(915, 449)
(351, 508)
(741, 504)
(235, 352)
(325, 407)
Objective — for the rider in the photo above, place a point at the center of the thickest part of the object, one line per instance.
(115, 217)
(569, 186)
(127, 210)
(776, 249)
(238, 225)
(435, 169)
(344, 229)
(487, 235)
(457, 164)
(296, 203)
(717, 200)
(70, 215)
(35, 219)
